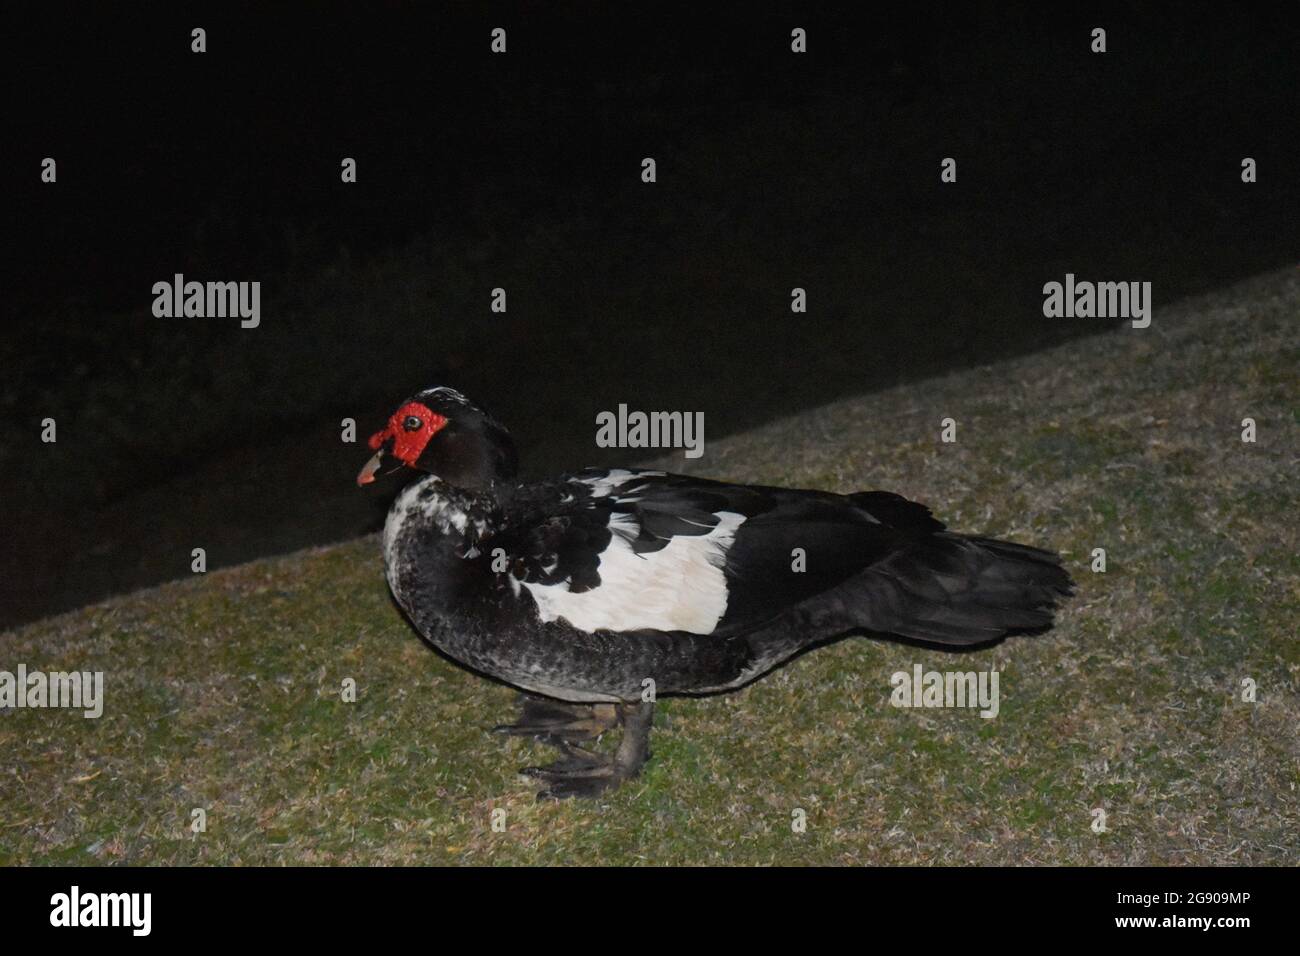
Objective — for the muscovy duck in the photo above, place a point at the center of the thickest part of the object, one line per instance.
(597, 591)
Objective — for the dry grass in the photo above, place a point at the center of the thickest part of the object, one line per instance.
(223, 691)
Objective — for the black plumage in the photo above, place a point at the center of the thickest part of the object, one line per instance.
(593, 587)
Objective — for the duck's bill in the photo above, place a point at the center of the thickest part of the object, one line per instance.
(371, 468)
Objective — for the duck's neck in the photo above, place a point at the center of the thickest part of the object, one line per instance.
(433, 533)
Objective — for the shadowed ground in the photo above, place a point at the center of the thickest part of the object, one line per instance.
(223, 691)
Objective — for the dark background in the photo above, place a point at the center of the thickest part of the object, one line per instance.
(522, 171)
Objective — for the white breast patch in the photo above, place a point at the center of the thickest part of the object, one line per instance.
(680, 587)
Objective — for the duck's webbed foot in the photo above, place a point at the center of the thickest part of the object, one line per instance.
(584, 773)
(558, 723)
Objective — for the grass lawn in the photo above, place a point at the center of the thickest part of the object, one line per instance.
(223, 691)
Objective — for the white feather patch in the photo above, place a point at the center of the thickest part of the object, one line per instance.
(680, 587)
(423, 500)
(606, 484)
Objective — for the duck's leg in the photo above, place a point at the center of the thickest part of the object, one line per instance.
(554, 722)
(585, 774)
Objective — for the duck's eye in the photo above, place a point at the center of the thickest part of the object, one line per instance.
(412, 424)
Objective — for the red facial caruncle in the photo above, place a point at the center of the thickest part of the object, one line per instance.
(409, 430)
(410, 427)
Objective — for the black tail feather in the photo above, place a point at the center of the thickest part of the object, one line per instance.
(955, 589)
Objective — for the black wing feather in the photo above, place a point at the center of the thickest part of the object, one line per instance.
(840, 535)
(913, 578)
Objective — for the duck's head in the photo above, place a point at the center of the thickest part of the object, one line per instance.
(441, 432)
